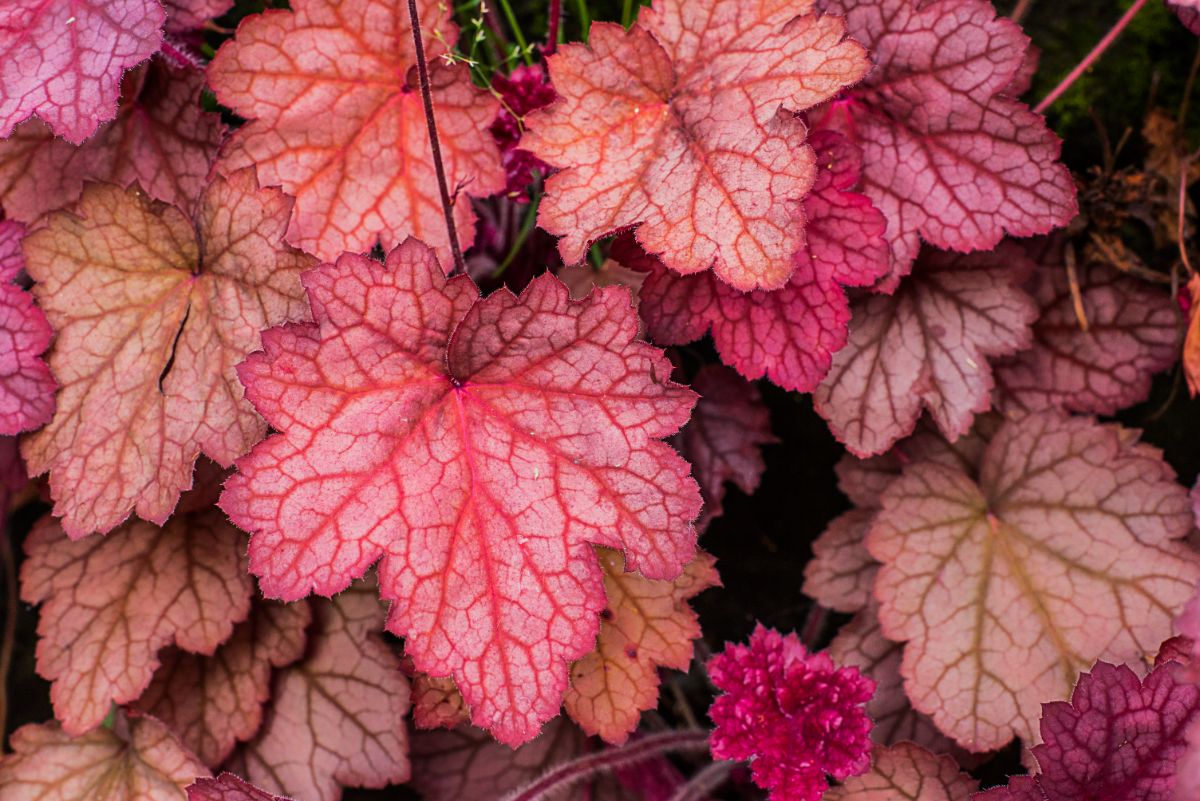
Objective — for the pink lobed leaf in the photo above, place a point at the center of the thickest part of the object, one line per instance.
(335, 119)
(62, 60)
(949, 158)
(906, 771)
(841, 571)
(227, 787)
(138, 759)
(153, 310)
(683, 126)
(533, 420)
(108, 604)
(974, 570)
(788, 335)
(927, 347)
(161, 139)
(185, 16)
(26, 386)
(723, 441)
(213, 702)
(336, 718)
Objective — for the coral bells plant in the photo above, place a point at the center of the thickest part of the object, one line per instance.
(673, 400)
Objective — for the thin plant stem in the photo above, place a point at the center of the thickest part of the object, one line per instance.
(552, 28)
(569, 773)
(627, 13)
(1185, 165)
(704, 782)
(585, 19)
(1021, 9)
(1091, 57)
(493, 23)
(516, 29)
(435, 146)
(527, 225)
(1188, 87)
(814, 624)
(1076, 291)
(10, 615)
(180, 54)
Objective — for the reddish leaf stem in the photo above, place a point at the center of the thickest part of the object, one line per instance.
(552, 28)
(1022, 8)
(180, 54)
(1091, 57)
(1185, 165)
(704, 783)
(576, 770)
(434, 143)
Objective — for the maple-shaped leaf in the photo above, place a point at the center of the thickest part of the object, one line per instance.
(212, 702)
(162, 139)
(336, 717)
(841, 571)
(138, 759)
(228, 787)
(62, 60)
(336, 120)
(684, 126)
(790, 334)
(479, 447)
(984, 578)
(1119, 737)
(184, 16)
(1132, 333)
(906, 771)
(153, 311)
(110, 603)
(861, 644)
(948, 157)
(26, 386)
(647, 624)
(723, 440)
(927, 347)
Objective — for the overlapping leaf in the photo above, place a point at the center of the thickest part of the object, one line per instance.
(227, 787)
(1065, 550)
(110, 603)
(479, 447)
(62, 60)
(906, 770)
(723, 441)
(841, 571)
(26, 386)
(337, 717)
(646, 625)
(683, 126)
(1189, 13)
(1131, 333)
(153, 310)
(927, 347)
(213, 702)
(136, 760)
(161, 139)
(184, 16)
(949, 158)
(335, 119)
(788, 335)
(1119, 737)
(437, 703)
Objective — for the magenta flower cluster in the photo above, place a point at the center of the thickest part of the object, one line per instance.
(796, 716)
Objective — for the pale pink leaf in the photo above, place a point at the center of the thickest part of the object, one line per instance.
(906, 771)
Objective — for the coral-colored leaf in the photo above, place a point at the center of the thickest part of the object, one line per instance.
(137, 760)
(1132, 333)
(724, 439)
(683, 126)
(1119, 737)
(26, 386)
(906, 771)
(161, 139)
(646, 625)
(861, 643)
(1065, 550)
(62, 59)
(212, 702)
(153, 310)
(228, 787)
(478, 447)
(337, 717)
(788, 335)
(927, 346)
(841, 571)
(947, 157)
(110, 603)
(336, 120)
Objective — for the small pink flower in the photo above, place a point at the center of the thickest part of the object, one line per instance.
(522, 91)
(797, 716)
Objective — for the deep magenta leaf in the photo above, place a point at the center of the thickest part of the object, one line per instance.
(26, 386)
